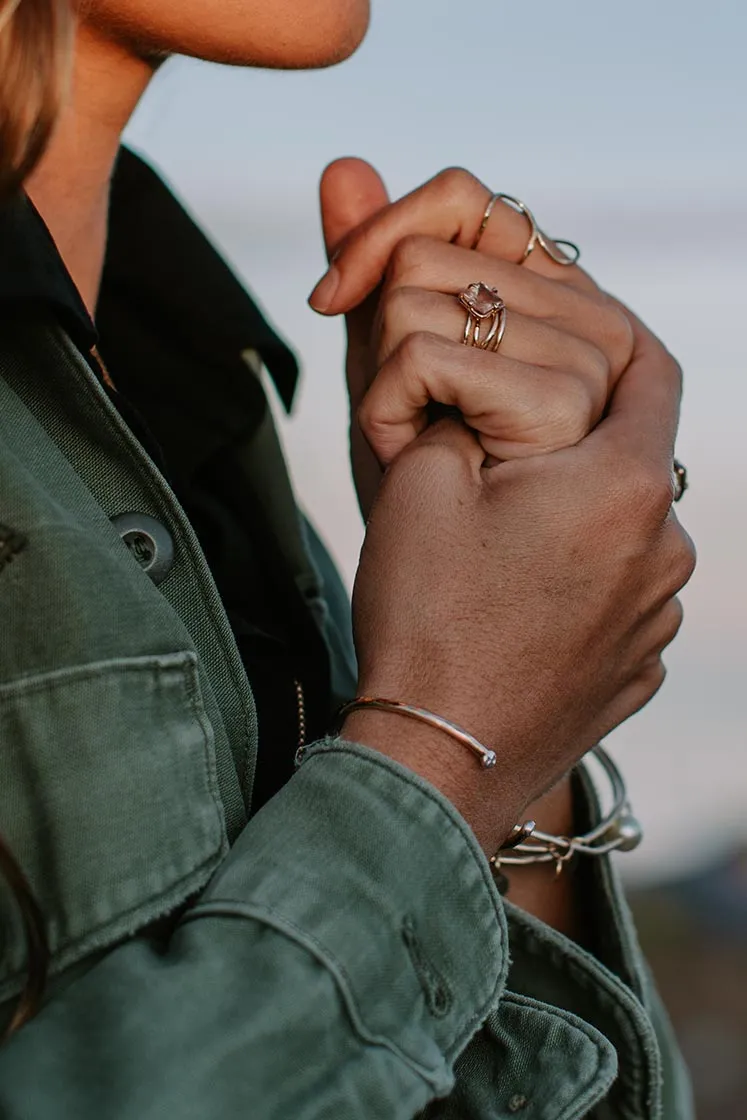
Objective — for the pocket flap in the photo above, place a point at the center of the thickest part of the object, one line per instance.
(109, 800)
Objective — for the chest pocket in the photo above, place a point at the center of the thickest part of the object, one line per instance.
(108, 801)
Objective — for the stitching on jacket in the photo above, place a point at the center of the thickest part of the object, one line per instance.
(92, 670)
(589, 1096)
(11, 543)
(605, 992)
(471, 1023)
(267, 915)
(438, 995)
(150, 477)
(333, 746)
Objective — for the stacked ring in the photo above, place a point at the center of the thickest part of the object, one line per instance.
(483, 305)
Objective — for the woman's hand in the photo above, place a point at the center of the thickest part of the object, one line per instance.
(529, 603)
(397, 275)
(546, 387)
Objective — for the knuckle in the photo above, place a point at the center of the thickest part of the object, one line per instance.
(681, 559)
(599, 367)
(597, 370)
(647, 493)
(670, 369)
(408, 256)
(573, 409)
(653, 676)
(671, 621)
(675, 371)
(366, 412)
(644, 684)
(455, 182)
(396, 308)
(415, 350)
(371, 420)
(619, 338)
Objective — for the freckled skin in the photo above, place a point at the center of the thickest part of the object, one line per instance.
(285, 34)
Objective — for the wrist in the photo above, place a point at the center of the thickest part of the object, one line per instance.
(488, 806)
(554, 811)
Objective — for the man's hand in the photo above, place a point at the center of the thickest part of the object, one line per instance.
(529, 602)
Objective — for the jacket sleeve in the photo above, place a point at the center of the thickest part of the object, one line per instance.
(340, 960)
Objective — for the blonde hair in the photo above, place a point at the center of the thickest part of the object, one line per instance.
(34, 41)
(34, 55)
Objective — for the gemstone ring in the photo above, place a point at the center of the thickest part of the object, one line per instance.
(483, 305)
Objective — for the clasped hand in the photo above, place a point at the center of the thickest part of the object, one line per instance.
(530, 601)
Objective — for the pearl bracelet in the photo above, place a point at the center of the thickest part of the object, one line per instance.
(617, 831)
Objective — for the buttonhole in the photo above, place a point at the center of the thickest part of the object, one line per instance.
(438, 996)
(11, 543)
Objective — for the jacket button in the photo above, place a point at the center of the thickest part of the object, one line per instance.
(149, 542)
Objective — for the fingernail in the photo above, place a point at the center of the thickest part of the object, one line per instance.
(323, 294)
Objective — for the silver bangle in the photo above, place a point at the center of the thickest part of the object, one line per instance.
(486, 757)
(617, 831)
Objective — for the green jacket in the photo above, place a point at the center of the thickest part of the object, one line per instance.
(342, 952)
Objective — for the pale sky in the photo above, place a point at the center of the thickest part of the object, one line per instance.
(646, 94)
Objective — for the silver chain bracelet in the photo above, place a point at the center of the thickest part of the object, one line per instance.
(617, 831)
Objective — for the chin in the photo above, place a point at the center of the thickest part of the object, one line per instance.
(333, 33)
(280, 34)
(311, 34)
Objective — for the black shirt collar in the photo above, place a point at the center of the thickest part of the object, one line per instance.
(159, 266)
(32, 272)
(162, 265)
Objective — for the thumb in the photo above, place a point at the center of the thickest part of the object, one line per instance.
(351, 192)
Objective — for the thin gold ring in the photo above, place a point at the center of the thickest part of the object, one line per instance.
(483, 305)
(536, 236)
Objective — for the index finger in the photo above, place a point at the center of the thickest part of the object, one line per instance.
(643, 415)
(450, 207)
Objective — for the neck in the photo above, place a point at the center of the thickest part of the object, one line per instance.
(70, 187)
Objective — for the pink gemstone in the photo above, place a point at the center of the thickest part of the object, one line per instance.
(481, 300)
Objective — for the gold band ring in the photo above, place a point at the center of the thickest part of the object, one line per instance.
(483, 305)
(536, 236)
